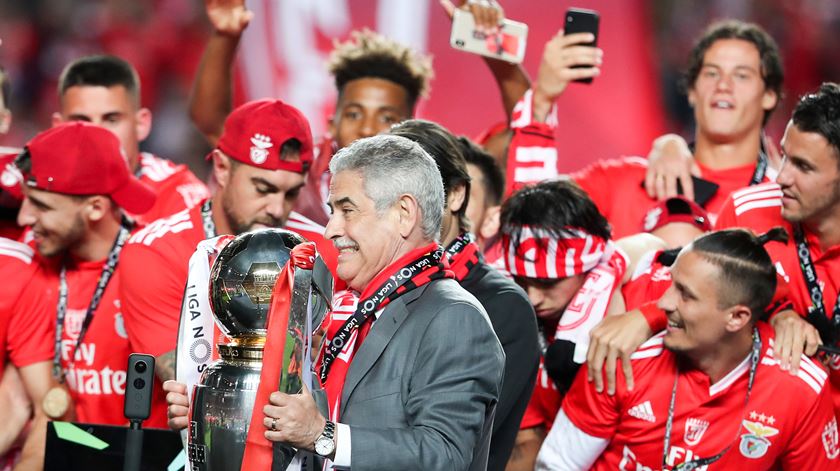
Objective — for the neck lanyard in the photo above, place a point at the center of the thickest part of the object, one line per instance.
(760, 166)
(61, 308)
(207, 220)
(694, 464)
(415, 274)
(760, 169)
(817, 313)
(462, 254)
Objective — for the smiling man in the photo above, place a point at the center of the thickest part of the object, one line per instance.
(414, 374)
(806, 201)
(707, 389)
(260, 164)
(733, 82)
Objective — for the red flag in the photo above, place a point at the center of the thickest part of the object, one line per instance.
(258, 449)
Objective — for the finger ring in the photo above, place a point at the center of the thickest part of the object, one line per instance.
(274, 425)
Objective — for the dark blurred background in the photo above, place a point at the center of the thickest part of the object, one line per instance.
(637, 97)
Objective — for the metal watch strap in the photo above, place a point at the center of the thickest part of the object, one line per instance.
(329, 430)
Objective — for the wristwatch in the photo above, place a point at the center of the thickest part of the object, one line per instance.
(325, 443)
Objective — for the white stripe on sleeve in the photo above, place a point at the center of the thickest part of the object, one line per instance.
(567, 447)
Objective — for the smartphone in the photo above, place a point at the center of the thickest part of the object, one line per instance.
(508, 44)
(703, 189)
(579, 20)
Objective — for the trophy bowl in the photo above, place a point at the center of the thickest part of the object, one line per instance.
(243, 276)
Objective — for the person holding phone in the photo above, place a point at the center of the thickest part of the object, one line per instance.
(733, 80)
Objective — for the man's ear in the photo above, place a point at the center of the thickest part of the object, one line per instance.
(490, 225)
(769, 100)
(456, 197)
(97, 207)
(739, 316)
(222, 168)
(143, 128)
(408, 212)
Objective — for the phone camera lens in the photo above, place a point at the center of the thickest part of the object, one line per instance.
(140, 367)
(570, 19)
(139, 383)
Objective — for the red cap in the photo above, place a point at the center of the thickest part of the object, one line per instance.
(677, 209)
(255, 132)
(78, 158)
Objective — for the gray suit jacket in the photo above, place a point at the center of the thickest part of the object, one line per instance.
(422, 388)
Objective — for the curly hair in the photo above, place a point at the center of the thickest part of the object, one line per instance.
(370, 55)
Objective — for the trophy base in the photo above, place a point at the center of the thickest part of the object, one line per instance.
(220, 414)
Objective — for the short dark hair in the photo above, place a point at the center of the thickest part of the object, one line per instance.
(768, 52)
(554, 206)
(491, 173)
(100, 71)
(371, 55)
(446, 152)
(747, 275)
(5, 87)
(820, 113)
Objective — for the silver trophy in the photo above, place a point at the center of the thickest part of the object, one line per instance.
(241, 283)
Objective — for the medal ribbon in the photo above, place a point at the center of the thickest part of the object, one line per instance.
(829, 328)
(61, 308)
(696, 463)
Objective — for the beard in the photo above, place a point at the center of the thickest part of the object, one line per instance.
(240, 225)
(55, 243)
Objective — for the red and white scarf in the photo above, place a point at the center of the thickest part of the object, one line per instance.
(539, 254)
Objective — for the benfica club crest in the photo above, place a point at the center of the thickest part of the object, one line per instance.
(694, 430)
(73, 320)
(259, 150)
(755, 444)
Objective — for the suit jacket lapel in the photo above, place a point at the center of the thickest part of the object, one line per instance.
(376, 340)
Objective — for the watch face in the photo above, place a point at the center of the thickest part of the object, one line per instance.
(324, 446)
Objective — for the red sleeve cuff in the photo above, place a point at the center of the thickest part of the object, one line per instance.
(655, 317)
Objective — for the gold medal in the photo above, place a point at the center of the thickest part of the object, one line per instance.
(56, 402)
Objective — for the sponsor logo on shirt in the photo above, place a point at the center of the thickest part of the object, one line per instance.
(694, 430)
(755, 444)
(676, 455)
(642, 411)
(830, 439)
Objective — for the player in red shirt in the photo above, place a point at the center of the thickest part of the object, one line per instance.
(707, 390)
(260, 165)
(806, 201)
(806, 196)
(734, 79)
(557, 247)
(76, 184)
(105, 90)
